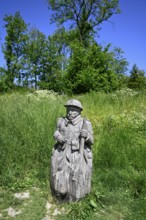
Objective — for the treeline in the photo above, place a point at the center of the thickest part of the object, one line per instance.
(70, 60)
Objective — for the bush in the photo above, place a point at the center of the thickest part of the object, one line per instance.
(90, 69)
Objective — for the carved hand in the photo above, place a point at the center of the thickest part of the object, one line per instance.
(60, 139)
(84, 134)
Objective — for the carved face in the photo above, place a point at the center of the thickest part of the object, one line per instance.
(73, 112)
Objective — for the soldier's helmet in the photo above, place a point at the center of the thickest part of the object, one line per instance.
(74, 102)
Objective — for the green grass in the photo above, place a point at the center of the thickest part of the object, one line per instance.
(27, 124)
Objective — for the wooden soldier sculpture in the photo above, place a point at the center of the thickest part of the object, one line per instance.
(71, 160)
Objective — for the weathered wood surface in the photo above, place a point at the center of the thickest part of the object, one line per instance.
(71, 160)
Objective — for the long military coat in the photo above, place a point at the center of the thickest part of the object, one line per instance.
(71, 162)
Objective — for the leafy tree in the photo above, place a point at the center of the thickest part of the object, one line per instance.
(85, 16)
(14, 45)
(137, 79)
(119, 65)
(34, 57)
(90, 69)
(55, 61)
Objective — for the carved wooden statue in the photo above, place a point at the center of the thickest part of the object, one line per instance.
(71, 160)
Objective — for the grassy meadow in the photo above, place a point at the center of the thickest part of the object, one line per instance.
(27, 124)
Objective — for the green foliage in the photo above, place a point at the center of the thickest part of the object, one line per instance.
(54, 62)
(84, 16)
(26, 135)
(14, 46)
(32, 59)
(90, 69)
(35, 57)
(137, 79)
(3, 80)
(27, 124)
(61, 62)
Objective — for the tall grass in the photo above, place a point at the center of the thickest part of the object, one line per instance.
(27, 124)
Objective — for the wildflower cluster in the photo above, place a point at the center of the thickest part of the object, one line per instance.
(126, 92)
(123, 94)
(133, 119)
(38, 95)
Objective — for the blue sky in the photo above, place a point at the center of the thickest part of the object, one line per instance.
(126, 30)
